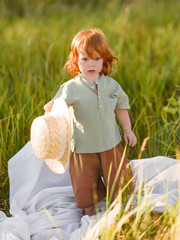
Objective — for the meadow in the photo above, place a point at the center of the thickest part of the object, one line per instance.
(34, 46)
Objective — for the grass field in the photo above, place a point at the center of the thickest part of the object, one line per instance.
(34, 45)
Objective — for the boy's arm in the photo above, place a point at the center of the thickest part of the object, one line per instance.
(124, 120)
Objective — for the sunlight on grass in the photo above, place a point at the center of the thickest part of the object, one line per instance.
(135, 219)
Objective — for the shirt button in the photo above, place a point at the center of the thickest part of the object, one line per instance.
(100, 106)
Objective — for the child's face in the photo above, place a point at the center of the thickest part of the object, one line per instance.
(90, 68)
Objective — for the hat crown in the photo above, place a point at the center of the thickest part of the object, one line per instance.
(45, 136)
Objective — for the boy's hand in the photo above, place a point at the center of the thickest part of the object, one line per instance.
(48, 106)
(130, 137)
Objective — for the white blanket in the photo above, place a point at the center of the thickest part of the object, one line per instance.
(41, 201)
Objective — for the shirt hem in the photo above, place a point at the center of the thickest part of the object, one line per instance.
(98, 151)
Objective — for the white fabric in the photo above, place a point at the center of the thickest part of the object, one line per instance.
(40, 200)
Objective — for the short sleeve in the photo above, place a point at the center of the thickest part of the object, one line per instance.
(122, 98)
(62, 93)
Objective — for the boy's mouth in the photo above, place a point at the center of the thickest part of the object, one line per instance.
(91, 71)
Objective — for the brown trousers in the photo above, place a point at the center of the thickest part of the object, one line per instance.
(87, 169)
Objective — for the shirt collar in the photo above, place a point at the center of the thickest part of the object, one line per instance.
(87, 83)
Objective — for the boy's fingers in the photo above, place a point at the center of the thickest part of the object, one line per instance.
(130, 139)
(131, 142)
(126, 140)
(48, 106)
(134, 142)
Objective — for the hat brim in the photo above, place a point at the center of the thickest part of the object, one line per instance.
(51, 137)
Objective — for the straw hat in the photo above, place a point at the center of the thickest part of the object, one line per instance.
(50, 137)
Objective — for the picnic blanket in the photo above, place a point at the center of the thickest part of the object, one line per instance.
(42, 203)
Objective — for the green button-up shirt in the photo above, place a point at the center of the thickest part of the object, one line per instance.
(94, 126)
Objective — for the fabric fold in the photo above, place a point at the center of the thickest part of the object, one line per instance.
(42, 203)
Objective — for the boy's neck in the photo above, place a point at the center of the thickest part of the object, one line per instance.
(93, 79)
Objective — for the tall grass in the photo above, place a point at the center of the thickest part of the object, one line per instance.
(34, 45)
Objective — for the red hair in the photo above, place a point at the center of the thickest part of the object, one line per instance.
(92, 41)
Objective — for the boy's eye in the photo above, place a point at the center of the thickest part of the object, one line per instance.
(98, 58)
(85, 59)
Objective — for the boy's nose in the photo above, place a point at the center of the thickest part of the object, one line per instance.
(91, 63)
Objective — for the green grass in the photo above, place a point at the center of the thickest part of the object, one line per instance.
(34, 45)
